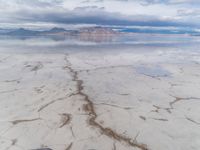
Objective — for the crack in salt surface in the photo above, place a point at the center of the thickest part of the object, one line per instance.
(103, 68)
(191, 120)
(51, 102)
(15, 122)
(112, 105)
(66, 118)
(9, 91)
(92, 115)
(178, 99)
(172, 103)
(69, 147)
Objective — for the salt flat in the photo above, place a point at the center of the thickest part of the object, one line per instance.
(89, 98)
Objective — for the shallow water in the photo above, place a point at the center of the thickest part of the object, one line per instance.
(148, 41)
(154, 71)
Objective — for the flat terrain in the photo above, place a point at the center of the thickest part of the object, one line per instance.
(100, 99)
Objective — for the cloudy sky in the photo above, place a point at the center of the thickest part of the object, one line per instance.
(48, 13)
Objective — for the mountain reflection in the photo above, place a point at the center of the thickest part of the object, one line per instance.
(81, 38)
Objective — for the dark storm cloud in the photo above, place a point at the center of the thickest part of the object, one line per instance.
(96, 16)
(101, 12)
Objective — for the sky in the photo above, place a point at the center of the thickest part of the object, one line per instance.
(65, 13)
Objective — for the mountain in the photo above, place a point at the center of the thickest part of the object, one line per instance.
(54, 30)
(97, 30)
(94, 31)
(22, 32)
(61, 31)
(26, 32)
(2, 31)
(157, 30)
(57, 30)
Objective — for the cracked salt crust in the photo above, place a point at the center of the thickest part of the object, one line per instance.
(97, 100)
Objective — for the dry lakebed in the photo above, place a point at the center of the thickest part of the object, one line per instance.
(58, 96)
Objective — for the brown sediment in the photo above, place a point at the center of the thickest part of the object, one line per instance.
(15, 122)
(65, 119)
(92, 115)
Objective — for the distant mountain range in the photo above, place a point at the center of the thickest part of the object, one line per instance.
(2, 31)
(94, 31)
(158, 31)
(60, 31)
